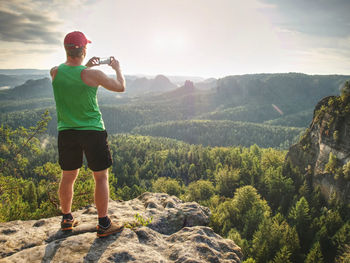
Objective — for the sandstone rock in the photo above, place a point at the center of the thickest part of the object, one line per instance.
(177, 233)
(328, 133)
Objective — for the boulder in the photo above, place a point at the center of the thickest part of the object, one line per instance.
(178, 232)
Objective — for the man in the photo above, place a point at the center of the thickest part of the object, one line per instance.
(81, 128)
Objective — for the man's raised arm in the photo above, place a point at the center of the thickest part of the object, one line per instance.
(100, 78)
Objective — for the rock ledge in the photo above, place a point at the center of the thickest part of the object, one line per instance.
(177, 233)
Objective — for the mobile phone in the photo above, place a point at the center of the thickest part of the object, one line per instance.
(105, 60)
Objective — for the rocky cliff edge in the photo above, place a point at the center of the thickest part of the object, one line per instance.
(328, 137)
(178, 232)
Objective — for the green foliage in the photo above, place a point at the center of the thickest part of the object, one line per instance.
(315, 255)
(199, 191)
(275, 239)
(344, 257)
(328, 224)
(346, 171)
(167, 185)
(301, 219)
(336, 136)
(243, 187)
(244, 212)
(17, 146)
(345, 91)
(227, 181)
(277, 189)
(332, 164)
(139, 221)
(283, 256)
(124, 193)
(234, 235)
(223, 133)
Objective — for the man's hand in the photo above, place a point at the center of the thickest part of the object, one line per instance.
(94, 61)
(115, 64)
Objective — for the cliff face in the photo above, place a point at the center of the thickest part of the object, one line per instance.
(324, 150)
(177, 233)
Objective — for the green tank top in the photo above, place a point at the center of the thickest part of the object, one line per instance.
(76, 103)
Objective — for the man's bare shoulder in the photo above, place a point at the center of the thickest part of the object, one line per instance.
(54, 69)
(92, 72)
(53, 72)
(92, 77)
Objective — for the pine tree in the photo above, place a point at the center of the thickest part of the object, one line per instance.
(283, 256)
(300, 217)
(30, 196)
(315, 255)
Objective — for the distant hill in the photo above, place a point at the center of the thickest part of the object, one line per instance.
(272, 100)
(207, 84)
(144, 85)
(223, 133)
(39, 88)
(13, 80)
(24, 71)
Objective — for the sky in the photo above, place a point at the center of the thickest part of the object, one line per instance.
(207, 38)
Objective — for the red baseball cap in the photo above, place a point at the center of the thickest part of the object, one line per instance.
(75, 39)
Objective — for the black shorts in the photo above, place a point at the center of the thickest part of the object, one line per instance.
(73, 143)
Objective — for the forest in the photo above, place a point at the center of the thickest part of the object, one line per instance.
(277, 107)
(266, 206)
(225, 149)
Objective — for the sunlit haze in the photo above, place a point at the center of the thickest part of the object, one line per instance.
(179, 37)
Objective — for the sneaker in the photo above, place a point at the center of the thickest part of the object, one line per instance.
(67, 224)
(113, 228)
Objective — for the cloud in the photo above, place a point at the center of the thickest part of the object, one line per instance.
(32, 22)
(35, 21)
(314, 17)
(27, 28)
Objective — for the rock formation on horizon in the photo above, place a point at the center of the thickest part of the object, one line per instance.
(323, 152)
(177, 233)
(159, 83)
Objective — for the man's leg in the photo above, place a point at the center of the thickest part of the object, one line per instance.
(101, 192)
(66, 190)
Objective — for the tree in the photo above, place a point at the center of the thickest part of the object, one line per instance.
(300, 217)
(329, 224)
(167, 185)
(245, 211)
(282, 256)
(275, 240)
(332, 164)
(200, 190)
(227, 181)
(345, 256)
(192, 173)
(30, 196)
(315, 254)
(346, 171)
(345, 92)
(278, 190)
(17, 145)
(234, 235)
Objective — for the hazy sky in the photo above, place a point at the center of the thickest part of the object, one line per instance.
(208, 38)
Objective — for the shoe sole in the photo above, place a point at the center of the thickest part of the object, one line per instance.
(70, 227)
(67, 228)
(110, 233)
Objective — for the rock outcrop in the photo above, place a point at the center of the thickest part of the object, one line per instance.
(329, 133)
(177, 233)
(143, 85)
